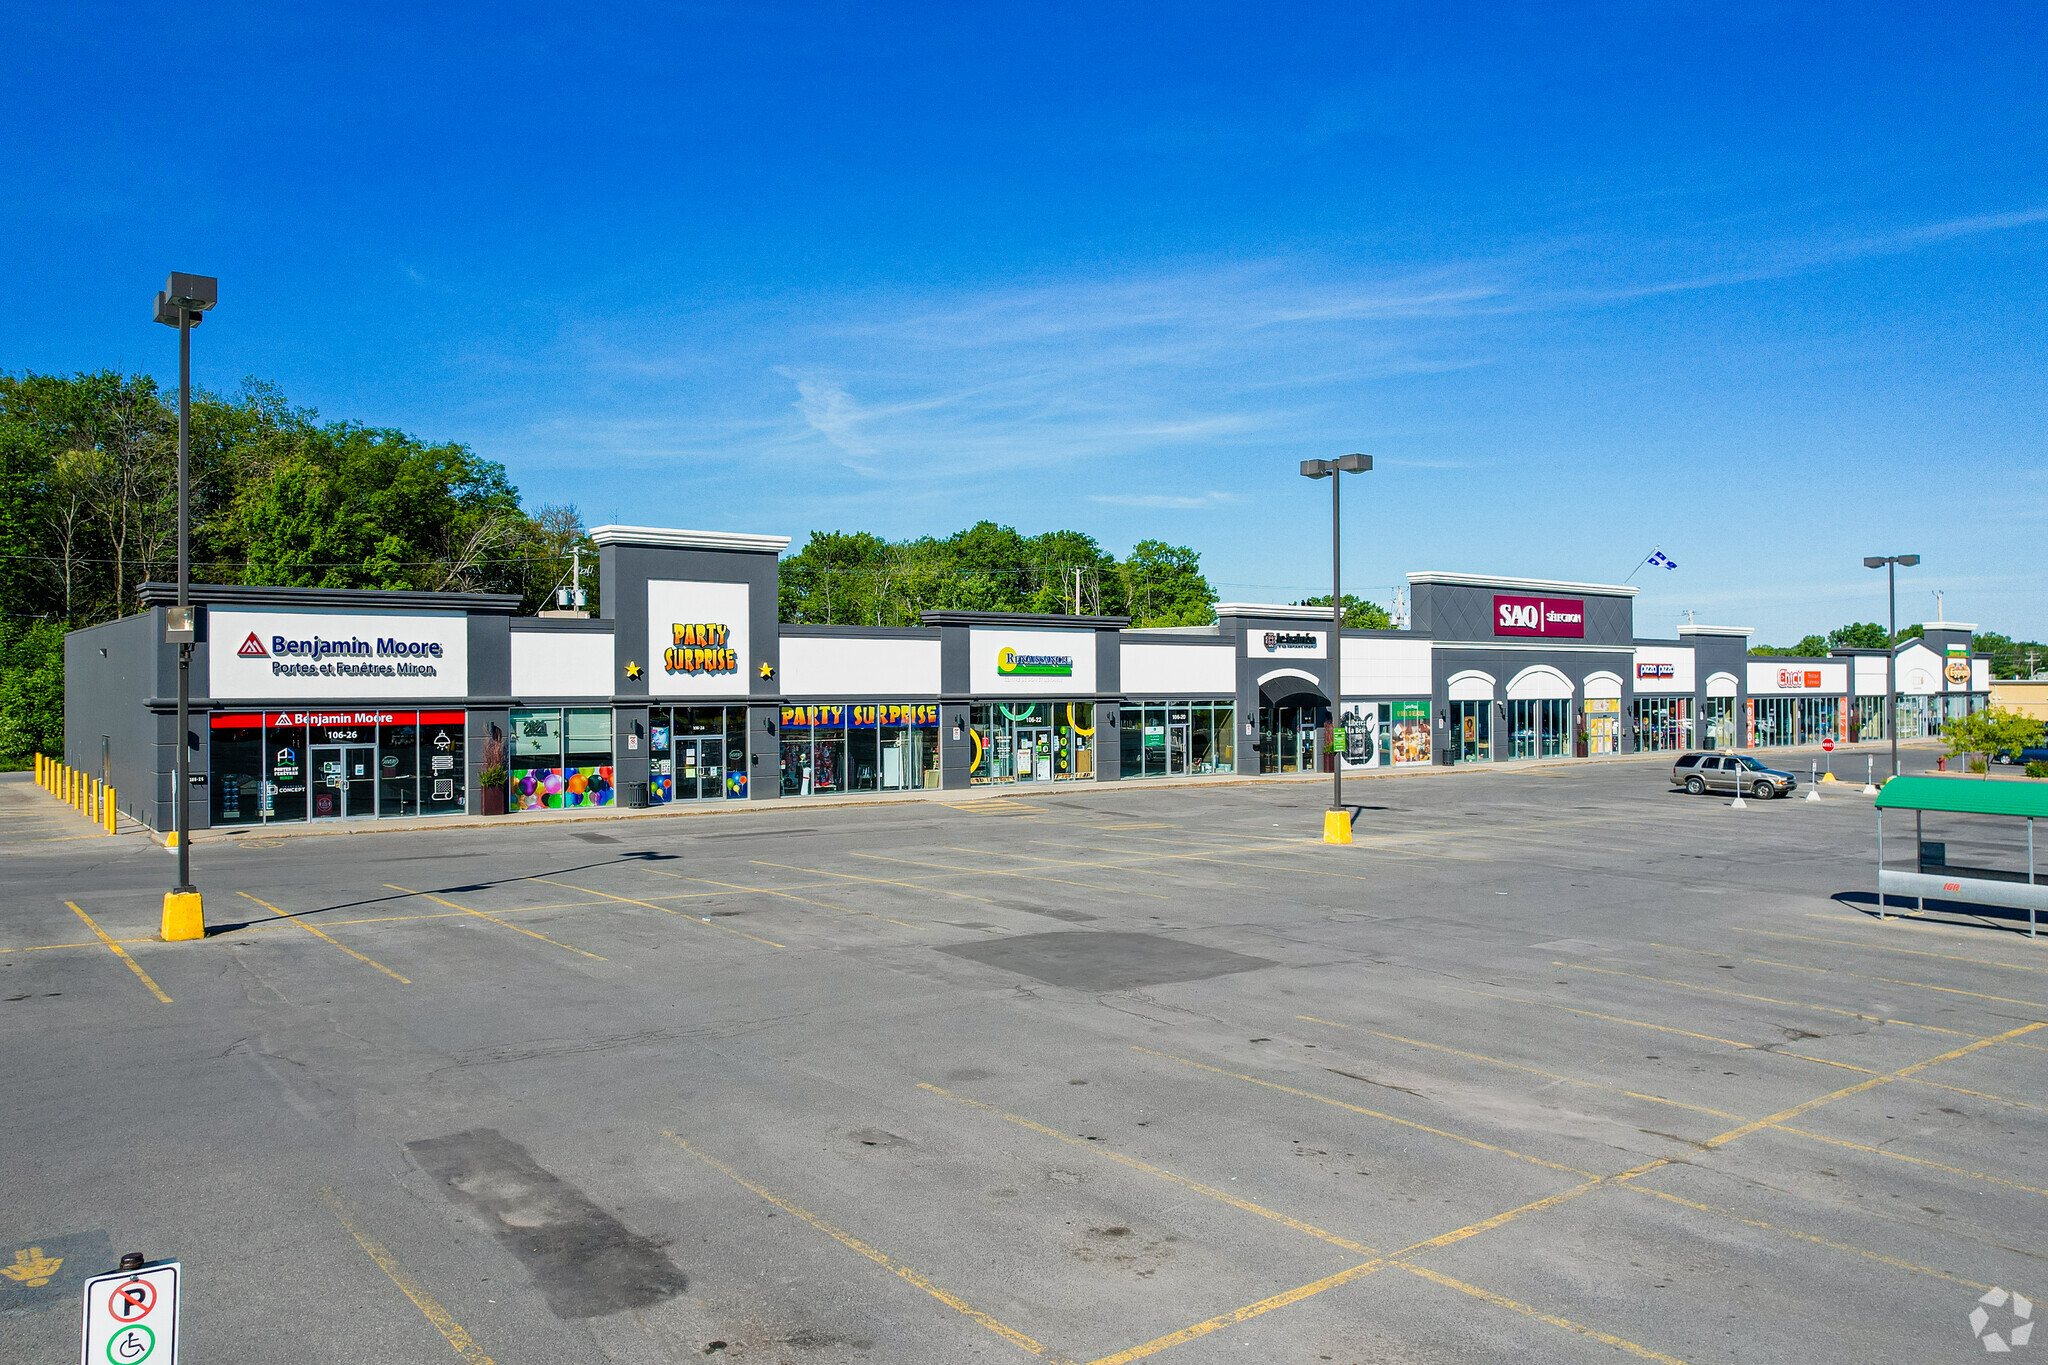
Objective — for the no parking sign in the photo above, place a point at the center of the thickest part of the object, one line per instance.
(131, 1317)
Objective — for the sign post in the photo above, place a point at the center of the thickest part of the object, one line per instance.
(131, 1315)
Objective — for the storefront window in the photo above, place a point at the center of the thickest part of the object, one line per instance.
(1718, 724)
(1291, 738)
(866, 746)
(536, 759)
(398, 773)
(587, 765)
(1663, 724)
(1472, 731)
(235, 769)
(284, 773)
(1602, 729)
(1868, 723)
(661, 763)
(444, 763)
(1167, 739)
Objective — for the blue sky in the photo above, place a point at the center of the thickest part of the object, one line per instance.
(1761, 285)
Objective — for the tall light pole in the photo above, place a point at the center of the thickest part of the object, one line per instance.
(1337, 823)
(183, 304)
(1890, 563)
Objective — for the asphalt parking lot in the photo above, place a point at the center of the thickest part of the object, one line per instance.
(1551, 1065)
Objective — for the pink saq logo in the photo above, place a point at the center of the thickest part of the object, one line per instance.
(1560, 616)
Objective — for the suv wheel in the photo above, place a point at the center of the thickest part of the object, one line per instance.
(1764, 790)
(1695, 786)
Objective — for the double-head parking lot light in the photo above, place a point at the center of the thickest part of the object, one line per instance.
(1890, 563)
(1337, 825)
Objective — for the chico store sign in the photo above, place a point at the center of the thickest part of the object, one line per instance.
(1562, 617)
(255, 653)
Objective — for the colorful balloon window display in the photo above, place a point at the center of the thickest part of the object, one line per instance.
(555, 788)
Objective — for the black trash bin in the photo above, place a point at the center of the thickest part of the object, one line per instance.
(636, 796)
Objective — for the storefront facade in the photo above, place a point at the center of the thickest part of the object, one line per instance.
(327, 705)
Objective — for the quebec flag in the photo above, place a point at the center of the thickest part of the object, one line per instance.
(1658, 557)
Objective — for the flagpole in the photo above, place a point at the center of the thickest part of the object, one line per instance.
(1639, 563)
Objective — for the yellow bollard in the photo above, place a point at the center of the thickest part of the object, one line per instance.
(184, 916)
(113, 808)
(1336, 826)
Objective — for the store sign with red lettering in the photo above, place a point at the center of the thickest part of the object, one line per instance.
(1561, 617)
(1799, 678)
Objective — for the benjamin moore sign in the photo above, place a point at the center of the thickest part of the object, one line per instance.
(252, 652)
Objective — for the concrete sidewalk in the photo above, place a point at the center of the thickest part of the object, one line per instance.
(1020, 791)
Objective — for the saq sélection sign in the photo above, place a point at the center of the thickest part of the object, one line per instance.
(1563, 617)
(256, 653)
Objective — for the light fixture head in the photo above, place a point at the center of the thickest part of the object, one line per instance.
(1353, 464)
(1909, 560)
(1317, 469)
(1875, 561)
(186, 299)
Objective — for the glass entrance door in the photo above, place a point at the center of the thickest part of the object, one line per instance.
(1472, 730)
(1034, 754)
(1177, 750)
(344, 781)
(697, 772)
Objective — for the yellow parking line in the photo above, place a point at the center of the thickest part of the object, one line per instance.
(1238, 1315)
(876, 881)
(1892, 948)
(880, 1258)
(122, 953)
(463, 1344)
(1369, 1113)
(1859, 976)
(1197, 1187)
(318, 934)
(1517, 1066)
(495, 920)
(1853, 1250)
(628, 900)
(1502, 1301)
(1890, 1155)
(1764, 999)
(786, 895)
(1662, 1028)
(1778, 1119)
(1008, 872)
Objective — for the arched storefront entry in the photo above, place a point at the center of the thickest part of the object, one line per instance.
(1294, 724)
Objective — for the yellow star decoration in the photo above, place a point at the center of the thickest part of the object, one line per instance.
(767, 670)
(32, 1268)
(633, 670)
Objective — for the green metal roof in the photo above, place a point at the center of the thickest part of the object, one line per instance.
(1970, 796)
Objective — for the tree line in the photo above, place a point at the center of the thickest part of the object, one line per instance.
(2010, 658)
(89, 507)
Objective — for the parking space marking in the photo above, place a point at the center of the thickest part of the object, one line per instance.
(122, 953)
(692, 919)
(1239, 1315)
(1765, 999)
(1007, 872)
(1894, 948)
(319, 934)
(880, 1258)
(1370, 1113)
(1910, 1160)
(786, 895)
(1903, 1073)
(1859, 976)
(1665, 1028)
(460, 1340)
(1795, 1233)
(1517, 1066)
(1502, 1301)
(463, 909)
(1111, 1154)
(876, 881)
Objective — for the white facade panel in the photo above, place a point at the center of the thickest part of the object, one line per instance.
(1179, 670)
(561, 664)
(1664, 669)
(1386, 668)
(1919, 671)
(1539, 682)
(1721, 684)
(257, 652)
(1869, 673)
(1770, 677)
(697, 639)
(1471, 685)
(1012, 662)
(822, 666)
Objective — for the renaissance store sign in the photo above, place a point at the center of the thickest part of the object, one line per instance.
(314, 654)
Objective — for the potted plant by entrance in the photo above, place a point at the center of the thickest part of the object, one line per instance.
(493, 780)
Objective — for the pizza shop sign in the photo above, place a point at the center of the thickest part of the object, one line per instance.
(1563, 617)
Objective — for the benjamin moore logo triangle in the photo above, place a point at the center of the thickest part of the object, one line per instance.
(252, 648)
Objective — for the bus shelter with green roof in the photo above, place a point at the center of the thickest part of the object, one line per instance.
(1934, 875)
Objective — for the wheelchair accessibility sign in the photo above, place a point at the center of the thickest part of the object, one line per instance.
(131, 1317)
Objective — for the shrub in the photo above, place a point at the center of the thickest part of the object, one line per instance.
(2037, 770)
(1976, 765)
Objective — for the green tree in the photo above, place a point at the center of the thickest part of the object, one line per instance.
(1163, 586)
(31, 689)
(1858, 635)
(1991, 731)
(1359, 614)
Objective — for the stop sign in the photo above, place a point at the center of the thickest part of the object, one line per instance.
(1828, 745)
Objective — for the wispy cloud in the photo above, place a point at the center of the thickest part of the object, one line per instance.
(1169, 501)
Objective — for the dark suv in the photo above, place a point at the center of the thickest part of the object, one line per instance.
(1699, 773)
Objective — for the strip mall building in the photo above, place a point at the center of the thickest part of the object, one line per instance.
(321, 704)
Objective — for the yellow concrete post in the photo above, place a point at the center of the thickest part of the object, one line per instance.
(1336, 826)
(113, 808)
